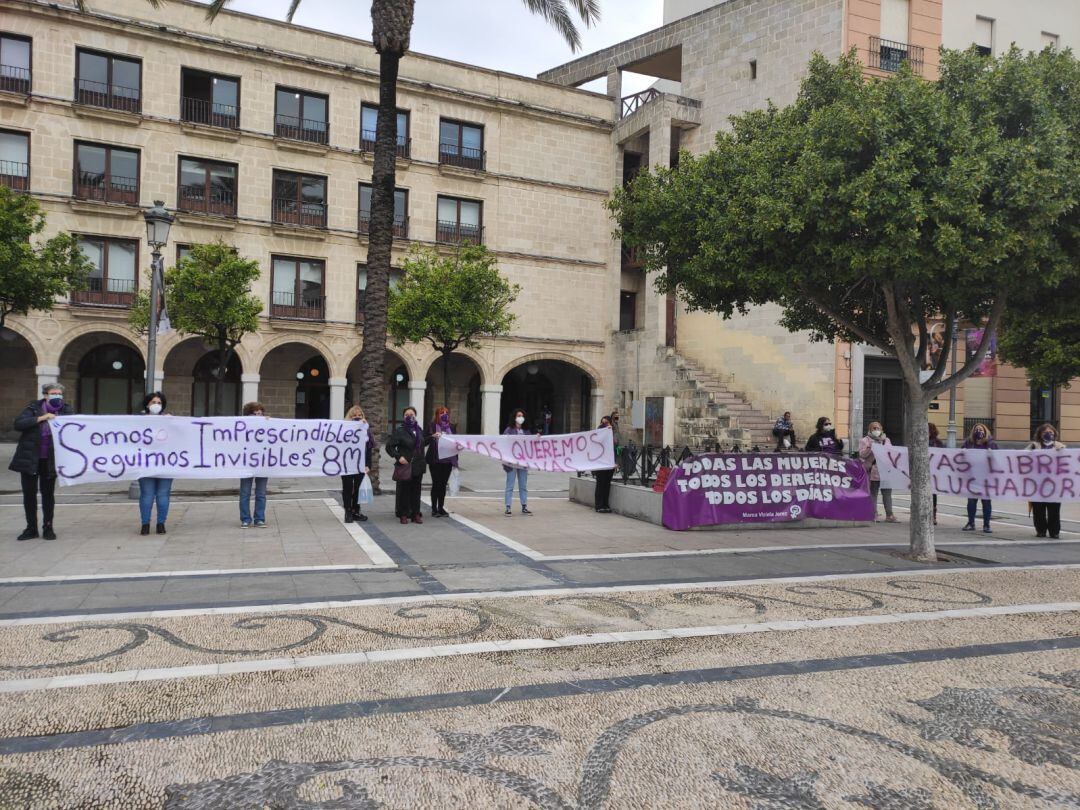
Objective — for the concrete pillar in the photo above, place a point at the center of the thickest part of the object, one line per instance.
(490, 405)
(656, 303)
(47, 375)
(597, 406)
(250, 387)
(337, 397)
(614, 89)
(416, 396)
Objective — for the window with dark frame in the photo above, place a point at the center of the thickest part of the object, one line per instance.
(104, 80)
(1045, 407)
(106, 173)
(461, 144)
(301, 116)
(299, 199)
(209, 98)
(206, 187)
(15, 63)
(627, 310)
(459, 221)
(15, 160)
(369, 115)
(114, 278)
(401, 211)
(298, 289)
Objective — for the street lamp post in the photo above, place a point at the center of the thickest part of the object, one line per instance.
(158, 222)
(950, 431)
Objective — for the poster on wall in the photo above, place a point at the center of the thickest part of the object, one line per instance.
(654, 421)
(988, 367)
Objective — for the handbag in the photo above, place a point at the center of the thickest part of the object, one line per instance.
(403, 472)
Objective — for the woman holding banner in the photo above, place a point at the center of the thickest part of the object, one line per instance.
(154, 490)
(350, 484)
(441, 468)
(824, 439)
(979, 439)
(34, 459)
(876, 435)
(517, 428)
(1046, 515)
(935, 441)
(259, 484)
(603, 478)
(406, 447)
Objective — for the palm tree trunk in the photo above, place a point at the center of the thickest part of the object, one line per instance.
(446, 379)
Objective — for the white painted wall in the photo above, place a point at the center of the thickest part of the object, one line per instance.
(1021, 22)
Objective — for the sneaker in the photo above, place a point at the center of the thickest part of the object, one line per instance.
(443, 513)
(359, 517)
(29, 533)
(245, 525)
(404, 521)
(891, 519)
(48, 533)
(508, 513)
(525, 510)
(260, 524)
(1040, 534)
(145, 530)
(986, 530)
(1055, 537)
(161, 528)
(418, 518)
(968, 527)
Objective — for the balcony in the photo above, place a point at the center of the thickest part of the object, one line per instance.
(463, 157)
(301, 215)
(108, 96)
(458, 233)
(14, 79)
(306, 308)
(216, 203)
(201, 111)
(15, 176)
(887, 55)
(400, 227)
(631, 103)
(403, 149)
(113, 189)
(106, 292)
(301, 129)
(633, 257)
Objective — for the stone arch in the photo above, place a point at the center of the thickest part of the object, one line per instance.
(190, 392)
(42, 355)
(18, 377)
(553, 389)
(466, 379)
(255, 359)
(104, 368)
(558, 356)
(397, 390)
(294, 380)
(123, 334)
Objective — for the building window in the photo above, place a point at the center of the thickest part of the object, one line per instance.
(15, 160)
(182, 252)
(459, 221)
(113, 280)
(207, 98)
(361, 287)
(14, 63)
(299, 199)
(207, 187)
(461, 144)
(401, 211)
(102, 80)
(106, 173)
(984, 36)
(111, 380)
(369, 115)
(1049, 40)
(298, 288)
(301, 116)
(1045, 407)
(627, 311)
(753, 68)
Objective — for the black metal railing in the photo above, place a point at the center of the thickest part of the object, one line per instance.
(110, 96)
(201, 111)
(303, 214)
(287, 305)
(400, 227)
(301, 129)
(885, 54)
(367, 143)
(15, 176)
(466, 157)
(94, 186)
(14, 79)
(218, 202)
(106, 292)
(631, 103)
(969, 424)
(458, 233)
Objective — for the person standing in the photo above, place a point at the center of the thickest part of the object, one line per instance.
(521, 474)
(350, 484)
(824, 439)
(154, 490)
(784, 431)
(875, 435)
(35, 461)
(441, 468)
(253, 409)
(548, 418)
(979, 439)
(602, 501)
(1046, 515)
(935, 441)
(406, 447)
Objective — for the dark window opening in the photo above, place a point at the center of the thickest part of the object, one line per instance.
(207, 98)
(627, 311)
(207, 187)
(301, 116)
(106, 174)
(753, 68)
(299, 199)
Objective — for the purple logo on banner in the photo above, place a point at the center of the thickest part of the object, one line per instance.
(754, 488)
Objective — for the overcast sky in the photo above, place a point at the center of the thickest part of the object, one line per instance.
(498, 34)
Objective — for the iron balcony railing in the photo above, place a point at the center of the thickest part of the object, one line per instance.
(94, 186)
(367, 143)
(885, 54)
(631, 103)
(218, 202)
(201, 111)
(301, 129)
(14, 79)
(106, 292)
(110, 96)
(400, 227)
(15, 176)
(458, 233)
(303, 214)
(306, 307)
(633, 257)
(466, 157)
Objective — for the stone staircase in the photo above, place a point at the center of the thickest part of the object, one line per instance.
(708, 411)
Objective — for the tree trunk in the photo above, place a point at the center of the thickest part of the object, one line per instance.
(446, 379)
(224, 356)
(922, 499)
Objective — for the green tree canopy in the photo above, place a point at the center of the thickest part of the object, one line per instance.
(869, 208)
(34, 274)
(449, 301)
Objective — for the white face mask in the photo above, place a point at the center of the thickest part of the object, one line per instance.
(519, 420)
(154, 407)
(875, 434)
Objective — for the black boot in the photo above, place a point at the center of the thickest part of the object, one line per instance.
(47, 532)
(29, 533)
(161, 528)
(145, 530)
(348, 514)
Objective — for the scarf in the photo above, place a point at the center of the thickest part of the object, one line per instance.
(46, 431)
(417, 434)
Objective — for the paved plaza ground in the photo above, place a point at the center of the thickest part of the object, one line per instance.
(567, 660)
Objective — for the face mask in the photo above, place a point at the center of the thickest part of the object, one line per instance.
(979, 434)
(56, 401)
(444, 419)
(154, 407)
(520, 420)
(1048, 438)
(875, 434)
(410, 419)
(827, 426)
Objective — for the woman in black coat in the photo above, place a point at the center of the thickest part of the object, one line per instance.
(441, 468)
(35, 461)
(406, 447)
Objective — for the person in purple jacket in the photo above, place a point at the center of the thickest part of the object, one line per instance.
(517, 428)
(979, 439)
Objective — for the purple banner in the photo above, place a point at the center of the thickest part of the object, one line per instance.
(765, 488)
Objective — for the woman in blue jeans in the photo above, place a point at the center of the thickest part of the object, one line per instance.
(253, 409)
(154, 490)
(517, 428)
(979, 439)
